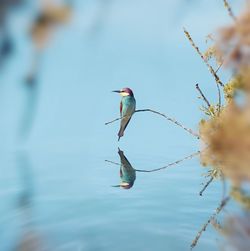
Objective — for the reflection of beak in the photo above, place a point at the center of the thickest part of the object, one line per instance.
(116, 91)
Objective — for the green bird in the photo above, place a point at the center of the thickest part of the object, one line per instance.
(127, 172)
(127, 109)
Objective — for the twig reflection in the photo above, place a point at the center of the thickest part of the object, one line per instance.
(164, 167)
(212, 218)
(206, 185)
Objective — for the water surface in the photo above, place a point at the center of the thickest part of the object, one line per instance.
(80, 210)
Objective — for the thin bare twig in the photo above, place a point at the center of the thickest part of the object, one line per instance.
(229, 9)
(212, 71)
(163, 115)
(164, 167)
(170, 164)
(212, 217)
(172, 120)
(218, 89)
(219, 67)
(202, 95)
(219, 98)
(206, 185)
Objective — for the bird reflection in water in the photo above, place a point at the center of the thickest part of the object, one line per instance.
(127, 172)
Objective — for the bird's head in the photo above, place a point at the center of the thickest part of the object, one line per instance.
(125, 92)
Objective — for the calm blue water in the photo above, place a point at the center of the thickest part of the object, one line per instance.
(67, 202)
(55, 187)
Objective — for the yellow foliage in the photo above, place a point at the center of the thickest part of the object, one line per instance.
(211, 52)
(232, 86)
(211, 111)
(227, 141)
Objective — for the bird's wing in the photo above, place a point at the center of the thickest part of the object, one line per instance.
(121, 108)
(124, 124)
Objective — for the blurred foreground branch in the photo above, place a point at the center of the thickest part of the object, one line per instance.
(229, 9)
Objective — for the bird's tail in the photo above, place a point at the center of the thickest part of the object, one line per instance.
(120, 133)
(122, 129)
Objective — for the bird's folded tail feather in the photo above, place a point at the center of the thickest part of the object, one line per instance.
(122, 129)
(120, 133)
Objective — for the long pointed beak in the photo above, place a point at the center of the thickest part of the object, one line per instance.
(117, 91)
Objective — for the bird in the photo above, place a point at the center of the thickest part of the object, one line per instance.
(127, 108)
(127, 172)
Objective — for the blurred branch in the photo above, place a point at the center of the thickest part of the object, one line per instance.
(229, 9)
(212, 218)
(104, 7)
(241, 197)
(163, 115)
(217, 226)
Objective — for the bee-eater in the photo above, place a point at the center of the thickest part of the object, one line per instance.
(127, 109)
(127, 172)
